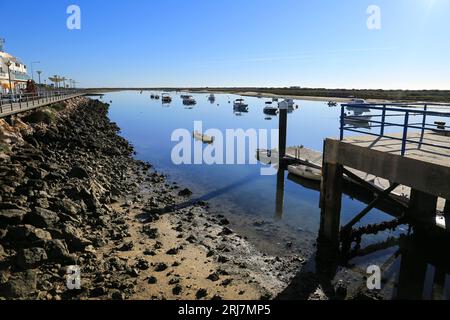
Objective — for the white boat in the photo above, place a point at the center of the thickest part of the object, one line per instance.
(189, 100)
(166, 98)
(305, 172)
(357, 101)
(203, 137)
(269, 109)
(291, 104)
(240, 103)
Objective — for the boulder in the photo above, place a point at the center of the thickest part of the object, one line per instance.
(11, 216)
(30, 258)
(74, 238)
(42, 218)
(20, 285)
(78, 172)
(24, 235)
(57, 251)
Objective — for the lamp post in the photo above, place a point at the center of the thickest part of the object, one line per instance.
(39, 74)
(8, 65)
(32, 73)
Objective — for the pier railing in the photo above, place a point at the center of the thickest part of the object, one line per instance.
(19, 101)
(367, 117)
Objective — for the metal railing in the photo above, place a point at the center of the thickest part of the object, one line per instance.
(19, 101)
(363, 123)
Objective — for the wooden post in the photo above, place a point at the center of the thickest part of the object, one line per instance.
(282, 130)
(411, 277)
(422, 207)
(279, 205)
(447, 214)
(330, 200)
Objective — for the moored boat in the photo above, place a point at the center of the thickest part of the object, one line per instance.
(166, 98)
(305, 172)
(203, 137)
(269, 109)
(189, 100)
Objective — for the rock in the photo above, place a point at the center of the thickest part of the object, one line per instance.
(173, 251)
(143, 264)
(11, 216)
(213, 277)
(78, 172)
(224, 222)
(222, 259)
(98, 292)
(177, 290)
(152, 233)
(201, 293)
(160, 267)
(42, 218)
(152, 280)
(20, 285)
(74, 238)
(127, 246)
(341, 290)
(57, 251)
(225, 232)
(185, 193)
(23, 235)
(117, 295)
(226, 282)
(30, 258)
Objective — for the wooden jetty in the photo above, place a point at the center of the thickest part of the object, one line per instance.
(411, 168)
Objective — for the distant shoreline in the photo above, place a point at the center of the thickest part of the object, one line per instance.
(313, 94)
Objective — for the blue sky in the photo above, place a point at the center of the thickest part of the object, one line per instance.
(320, 43)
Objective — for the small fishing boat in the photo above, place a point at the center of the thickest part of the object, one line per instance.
(240, 109)
(184, 96)
(166, 98)
(240, 103)
(212, 98)
(269, 109)
(357, 101)
(332, 103)
(305, 172)
(203, 137)
(275, 99)
(157, 97)
(189, 100)
(152, 96)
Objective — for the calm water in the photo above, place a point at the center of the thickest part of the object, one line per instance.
(239, 190)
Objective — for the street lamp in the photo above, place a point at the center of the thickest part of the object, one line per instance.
(32, 73)
(39, 74)
(8, 64)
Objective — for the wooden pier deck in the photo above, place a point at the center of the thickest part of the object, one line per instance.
(422, 153)
(8, 109)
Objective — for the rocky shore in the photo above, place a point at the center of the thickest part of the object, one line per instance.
(71, 194)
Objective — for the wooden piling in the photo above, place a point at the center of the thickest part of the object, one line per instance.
(330, 202)
(282, 133)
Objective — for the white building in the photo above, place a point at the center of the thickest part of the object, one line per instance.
(18, 71)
